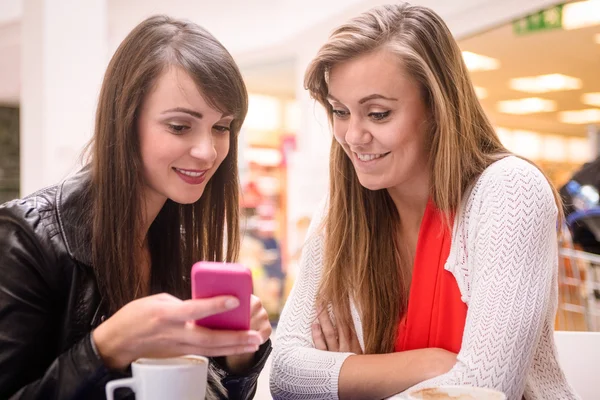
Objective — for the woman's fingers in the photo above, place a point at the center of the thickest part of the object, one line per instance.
(219, 351)
(201, 337)
(164, 297)
(339, 337)
(318, 338)
(344, 336)
(329, 331)
(260, 319)
(220, 343)
(200, 308)
(255, 305)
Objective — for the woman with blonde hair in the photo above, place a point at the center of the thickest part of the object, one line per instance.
(434, 258)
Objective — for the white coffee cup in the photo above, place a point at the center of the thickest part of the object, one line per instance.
(182, 378)
(456, 393)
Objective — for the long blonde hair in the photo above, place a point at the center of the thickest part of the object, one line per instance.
(361, 262)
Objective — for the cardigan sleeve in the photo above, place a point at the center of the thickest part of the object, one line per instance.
(299, 371)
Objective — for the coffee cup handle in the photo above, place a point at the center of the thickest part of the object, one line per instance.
(118, 383)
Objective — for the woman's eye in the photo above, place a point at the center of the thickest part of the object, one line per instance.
(177, 129)
(378, 116)
(222, 129)
(340, 113)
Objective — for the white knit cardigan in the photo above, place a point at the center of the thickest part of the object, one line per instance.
(504, 258)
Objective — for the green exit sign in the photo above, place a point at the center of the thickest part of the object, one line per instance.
(544, 20)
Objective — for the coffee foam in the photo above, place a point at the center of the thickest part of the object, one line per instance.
(456, 394)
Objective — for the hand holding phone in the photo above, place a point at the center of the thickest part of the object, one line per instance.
(210, 279)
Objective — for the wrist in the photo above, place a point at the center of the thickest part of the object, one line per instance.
(109, 348)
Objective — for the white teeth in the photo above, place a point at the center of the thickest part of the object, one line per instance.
(192, 174)
(368, 157)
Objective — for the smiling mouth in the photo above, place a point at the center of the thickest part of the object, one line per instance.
(191, 173)
(369, 157)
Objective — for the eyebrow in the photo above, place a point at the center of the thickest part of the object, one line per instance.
(365, 99)
(193, 113)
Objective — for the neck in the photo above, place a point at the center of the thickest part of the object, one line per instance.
(411, 200)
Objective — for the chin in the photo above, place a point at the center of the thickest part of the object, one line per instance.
(372, 185)
(190, 199)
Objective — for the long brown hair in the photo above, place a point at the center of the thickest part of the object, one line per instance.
(362, 260)
(180, 234)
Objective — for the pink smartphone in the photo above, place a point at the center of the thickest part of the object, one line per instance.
(210, 279)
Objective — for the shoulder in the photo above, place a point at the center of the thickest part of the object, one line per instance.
(34, 213)
(30, 225)
(514, 172)
(314, 242)
(510, 202)
(511, 183)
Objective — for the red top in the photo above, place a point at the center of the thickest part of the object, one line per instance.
(436, 314)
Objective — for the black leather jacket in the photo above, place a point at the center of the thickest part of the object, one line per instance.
(49, 303)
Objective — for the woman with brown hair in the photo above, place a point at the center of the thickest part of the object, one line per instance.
(94, 271)
(434, 259)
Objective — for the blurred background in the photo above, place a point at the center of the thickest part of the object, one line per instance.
(535, 66)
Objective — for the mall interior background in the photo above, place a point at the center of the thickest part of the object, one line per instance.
(534, 64)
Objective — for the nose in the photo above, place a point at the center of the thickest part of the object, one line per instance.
(204, 149)
(357, 134)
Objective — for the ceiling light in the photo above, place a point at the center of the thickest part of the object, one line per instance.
(586, 116)
(481, 93)
(529, 105)
(545, 83)
(581, 14)
(477, 62)
(593, 99)
(550, 147)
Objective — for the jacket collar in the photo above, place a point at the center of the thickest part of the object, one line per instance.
(73, 205)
